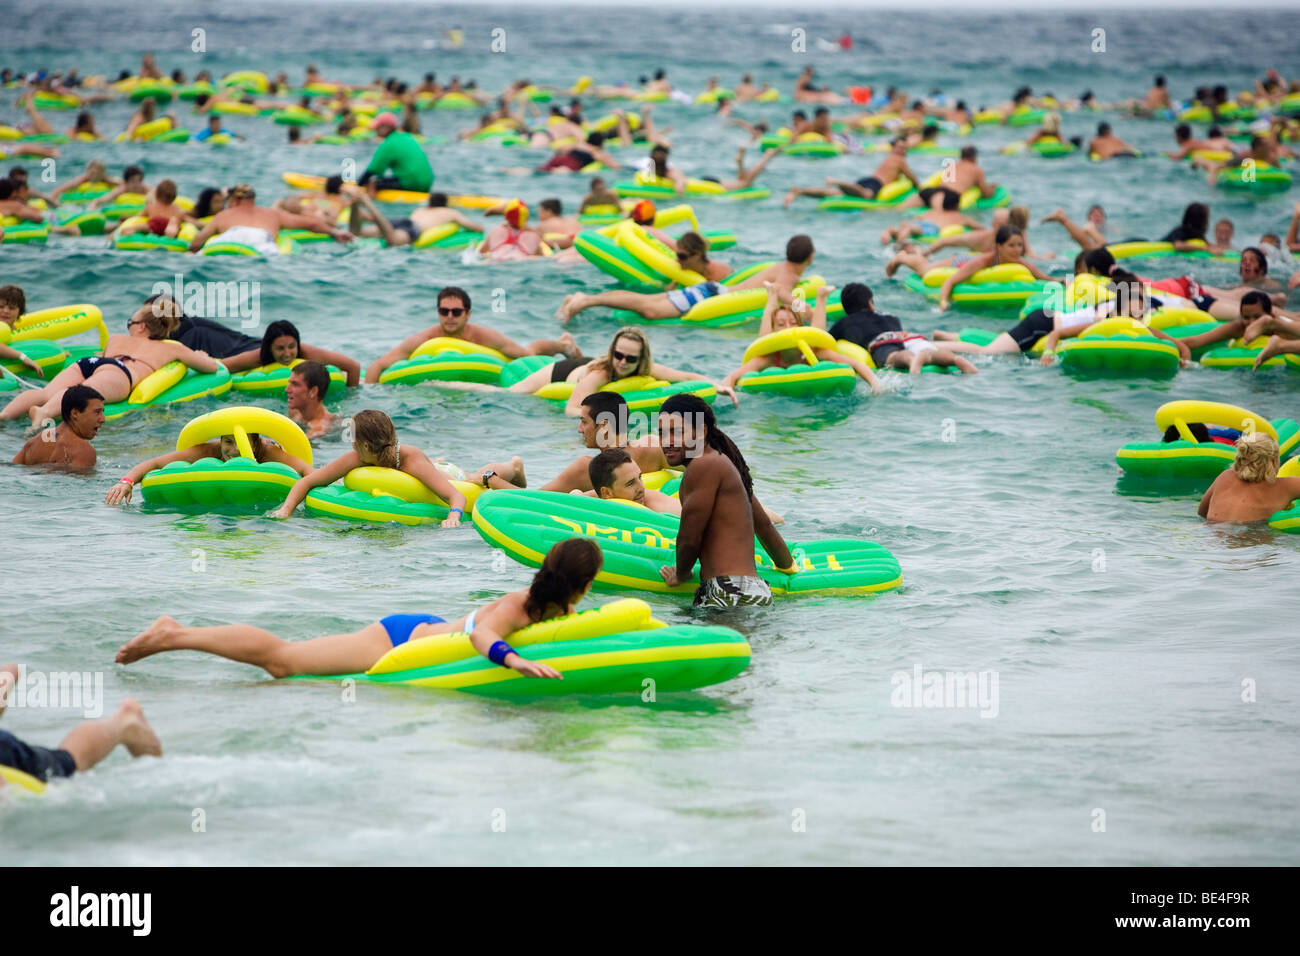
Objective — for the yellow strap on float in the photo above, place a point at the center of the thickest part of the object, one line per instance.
(242, 442)
(245, 420)
(801, 337)
(1213, 413)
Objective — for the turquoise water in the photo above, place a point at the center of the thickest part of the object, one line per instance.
(1120, 627)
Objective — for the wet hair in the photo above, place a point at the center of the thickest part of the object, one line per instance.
(613, 404)
(1255, 297)
(1259, 255)
(1182, 132)
(799, 249)
(1005, 234)
(334, 185)
(374, 432)
(1127, 288)
(274, 331)
(6, 188)
(243, 191)
(596, 138)
(683, 404)
(855, 297)
(437, 200)
(659, 156)
(969, 153)
(313, 375)
(75, 399)
(643, 367)
(1196, 219)
(799, 115)
(601, 468)
(823, 111)
(203, 205)
(1257, 458)
(1100, 261)
(164, 318)
(567, 570)
(85, 121)
(14, 295)
(1160, 79)
(1214, 131)
(1018, 216)
(453, 292)
(165, 191)
(692, 244)
(551, 206)
(1103, 129)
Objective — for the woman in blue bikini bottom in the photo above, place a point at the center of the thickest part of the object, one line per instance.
(561, 582)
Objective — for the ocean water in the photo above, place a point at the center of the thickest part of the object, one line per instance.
(1126, 635)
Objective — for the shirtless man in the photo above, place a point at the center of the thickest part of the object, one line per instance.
(602, 425)
(132, 182)
(598, 195)
(328, 202)
(1156, 99)
(305, 391)
(720, 515)
(246, 222)
(957, 178)
(806, 92)
(1250, 490)
(1215, 142)
(162, 216)
(890, 168)
(68, 446)
(453, 322)
(556, 229)
(1106, 144)
(613, 474)
(405, 231)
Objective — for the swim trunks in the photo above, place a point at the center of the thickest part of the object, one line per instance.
(87, 367)
(887, 343)
(158, 225)
(871, 184)
(38, 762)
(951, 195)
(731, 590)
(408, 226)
(683, 300)
(561, 369)
(259, 239)
(400, 626)
(1030, 329)
(927, 228)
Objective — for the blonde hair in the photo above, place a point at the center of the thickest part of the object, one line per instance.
(1052, 122)
(1257, 458)
(374, 432)
(643, 367)
(163, 317)
(1018, 216)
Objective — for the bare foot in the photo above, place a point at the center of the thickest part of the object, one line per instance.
(8, 680)
(569, 345)
(149, 641)
(572, 305)
(137, 736)
(1274, 347)
(1056, 216)
(520, 478)
(892, 265)
(965, 365)
(942, 335)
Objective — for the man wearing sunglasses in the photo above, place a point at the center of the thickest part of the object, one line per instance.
(453, 322)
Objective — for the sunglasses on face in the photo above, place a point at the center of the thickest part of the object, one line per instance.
(682, 256)
(131, 322)
(455, 313)
(621, 357)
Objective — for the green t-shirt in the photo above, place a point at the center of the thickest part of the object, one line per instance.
(401, 153)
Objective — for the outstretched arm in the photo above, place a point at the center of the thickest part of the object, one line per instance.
(417, 465)
(120, 493)
(770, 538)
(350, 366)
(492, 627)
(402, 350)
(326, 475)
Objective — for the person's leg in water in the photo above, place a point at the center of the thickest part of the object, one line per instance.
(941, 357)
(1004, 344)
(653, 305)
(1277, 345)
(333, 654)
(745, 177)
(909, 256)
(394, 237)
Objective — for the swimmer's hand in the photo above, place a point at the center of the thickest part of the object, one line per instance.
(280, 512)
(729, 392)
(1048, 357)
(824, 292)
(451, 521)
(31, 364)
(531, 668)
(879, 389)
(119, 494)
(669, 574)
(342, 235)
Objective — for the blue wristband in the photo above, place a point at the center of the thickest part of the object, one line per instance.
(457, 510)
(498, 651)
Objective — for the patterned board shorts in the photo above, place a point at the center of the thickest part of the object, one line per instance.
(729, 590)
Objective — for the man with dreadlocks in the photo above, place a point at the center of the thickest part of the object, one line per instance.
(720, 514)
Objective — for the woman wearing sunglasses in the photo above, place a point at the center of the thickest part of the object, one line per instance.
(628, 356)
